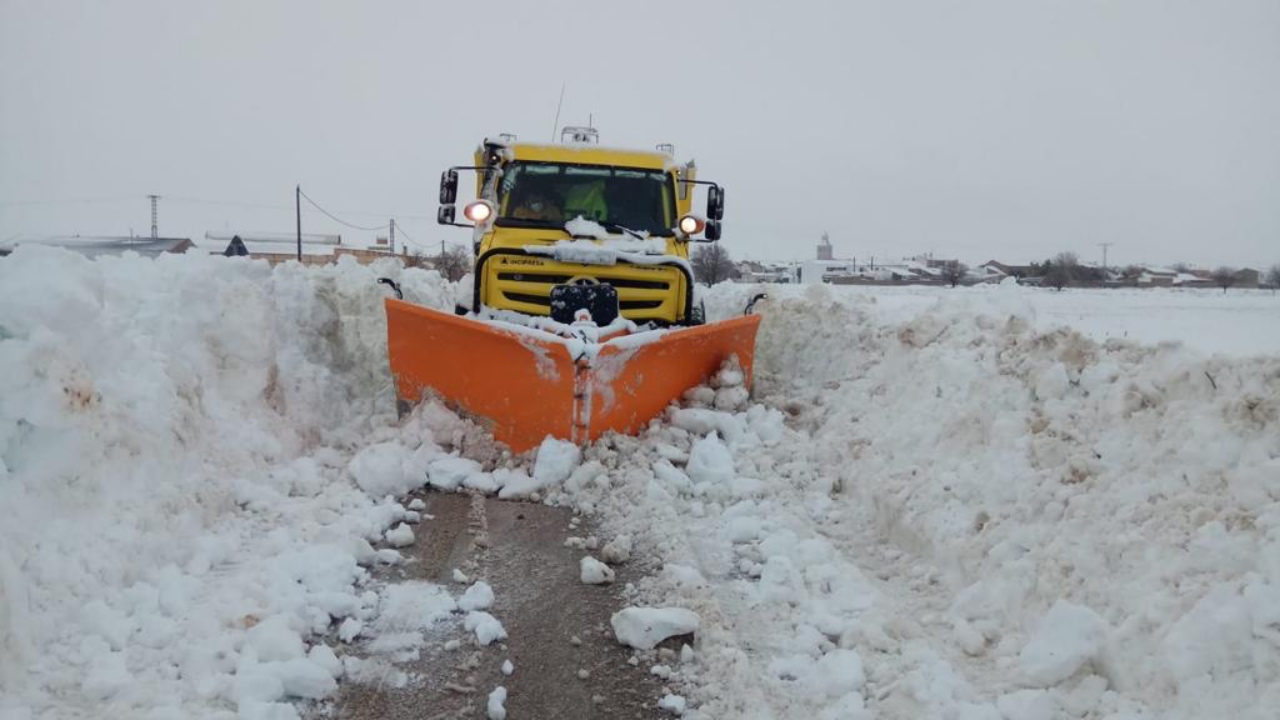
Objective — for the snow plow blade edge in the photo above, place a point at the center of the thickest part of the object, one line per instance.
(524, 385)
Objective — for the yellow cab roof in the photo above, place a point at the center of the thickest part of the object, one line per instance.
(586, 154)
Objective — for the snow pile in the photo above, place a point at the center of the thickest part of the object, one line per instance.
(184, 517)
(934, 507)
(964, 515)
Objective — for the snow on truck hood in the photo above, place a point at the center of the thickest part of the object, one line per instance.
(604, 247)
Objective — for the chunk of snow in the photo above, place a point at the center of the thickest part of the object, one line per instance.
(582, 227)
(644, 627)
(495, 708)
(451, 471)
(379, 470)
(107, 675)
(459, 576)
(555, 462)
(1028, 705)
(838, 673)
(97, 618)
(273, 640)
(413, 605)
(324, 656)
(1067, 637)
(594, 572)
(674, 704)
(417, 504)
(710, 461)
(401, 536)
(485, 626)
(507, 667)
(617, 550)
(477, 597)
(257, 685)
(267, 711)
(303, 678)
(743, 529)
(686, 654)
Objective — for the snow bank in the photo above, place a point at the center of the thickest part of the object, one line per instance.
(183, 514)
(935, 507)
(942, 510)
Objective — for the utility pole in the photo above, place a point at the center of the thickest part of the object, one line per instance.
(441, 249)
(297, 205)
(154, 233)
(1104, 247)
(393, 236)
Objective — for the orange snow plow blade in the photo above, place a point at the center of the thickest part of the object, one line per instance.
(525, 384)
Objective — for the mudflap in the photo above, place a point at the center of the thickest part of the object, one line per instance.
(524, 384)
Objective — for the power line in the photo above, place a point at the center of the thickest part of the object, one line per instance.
(69, 201)
(405, 235)
(339, 220)
(204, 201)
(268, 206)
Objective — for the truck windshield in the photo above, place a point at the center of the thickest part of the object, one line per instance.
(549, 194)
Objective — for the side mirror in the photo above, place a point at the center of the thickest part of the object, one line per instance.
(448, 187)
(446, 214)
(715, 203)
(713, 230)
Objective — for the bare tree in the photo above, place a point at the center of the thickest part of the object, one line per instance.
(712, 264)
(1062, 270)
(1224, 277)
(953, 271)
(1181, 267)
(453, 263)
(1273, 278)
(1131, 273)
(416, 260)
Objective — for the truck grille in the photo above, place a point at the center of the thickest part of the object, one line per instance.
(535, 289)
(552, 280)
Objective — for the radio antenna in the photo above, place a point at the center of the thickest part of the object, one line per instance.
(556, 125)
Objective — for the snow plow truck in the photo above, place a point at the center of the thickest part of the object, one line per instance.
(581, 317)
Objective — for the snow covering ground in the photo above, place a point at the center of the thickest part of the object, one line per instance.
(935, 505)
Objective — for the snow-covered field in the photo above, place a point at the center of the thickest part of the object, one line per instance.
(937, 503)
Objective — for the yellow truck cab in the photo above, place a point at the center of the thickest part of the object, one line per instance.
(563, 227)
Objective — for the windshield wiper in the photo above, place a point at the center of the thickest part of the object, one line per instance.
(615, 227)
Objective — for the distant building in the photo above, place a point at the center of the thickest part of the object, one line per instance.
(1247, 278)
(993, 268)
(816, 272)
(825, 250)
(107, 245)
(276, 248)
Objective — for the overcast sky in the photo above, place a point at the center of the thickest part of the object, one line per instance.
(979, 129)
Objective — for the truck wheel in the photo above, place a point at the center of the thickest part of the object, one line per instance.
(698, 315)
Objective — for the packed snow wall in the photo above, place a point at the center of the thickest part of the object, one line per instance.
(1130, 494)
(194, 454)
(172, 439)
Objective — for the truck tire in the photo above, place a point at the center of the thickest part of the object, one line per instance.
(698, 314)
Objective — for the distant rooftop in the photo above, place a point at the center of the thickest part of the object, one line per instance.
(100, 245)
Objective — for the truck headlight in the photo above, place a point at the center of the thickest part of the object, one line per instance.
(691, 224)
(478, 211)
